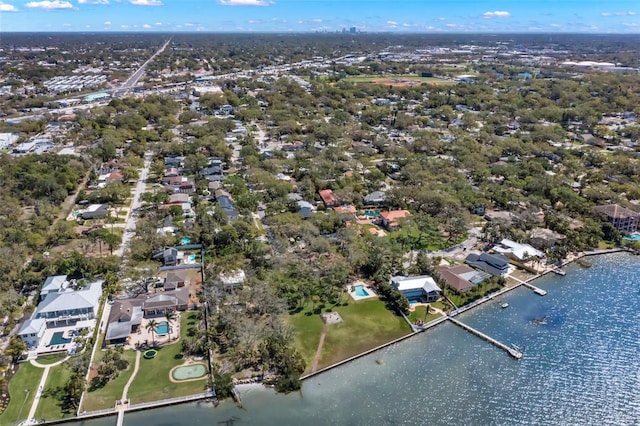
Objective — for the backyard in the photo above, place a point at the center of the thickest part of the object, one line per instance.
(106, 396)
(366, 324)
(420, 313)
(22, 389)
(49, 406)
(152, 381)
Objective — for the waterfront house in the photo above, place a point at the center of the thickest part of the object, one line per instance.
(517, 251)
(461, 278)
(622, 218)
(421, 288)
(494, 264)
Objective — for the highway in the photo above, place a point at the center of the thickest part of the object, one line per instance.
(133, 79)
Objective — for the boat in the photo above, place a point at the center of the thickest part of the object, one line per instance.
(504, 305)
(539, 321)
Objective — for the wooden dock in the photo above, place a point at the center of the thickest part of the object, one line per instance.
(559, 271)
(536, 290)
(511, 351)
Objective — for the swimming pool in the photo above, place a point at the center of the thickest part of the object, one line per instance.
(185, 241)
(162, 328)
(360, 291)
(370, 213)
(633, 237)
(58, 339)
(191, 258)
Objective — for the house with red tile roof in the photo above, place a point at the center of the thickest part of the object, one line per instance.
(390, 218)
(328, 198)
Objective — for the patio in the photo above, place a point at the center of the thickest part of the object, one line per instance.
(144, 337)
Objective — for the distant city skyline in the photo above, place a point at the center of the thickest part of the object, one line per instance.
(401, 16)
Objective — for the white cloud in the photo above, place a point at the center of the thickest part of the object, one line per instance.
(107, 22)
(245, 2)
(555, 25)
(392, 23)
(93, 1)
(623, 13)
(189, 24)
(317, 20)
(4, 7)
(55, 4)
(497, 14)
(158, 24)
(146, 26)
(146, 2)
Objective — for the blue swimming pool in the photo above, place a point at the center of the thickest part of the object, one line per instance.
(360, 291)
(191, 258)
(633, 237)
(185, 241)
(58, 339)
(370, 213)
(162, 328)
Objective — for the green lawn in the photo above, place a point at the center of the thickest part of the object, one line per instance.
(152, 381)
(419, 314)
(431, 241)
(51, 359)
(476, 293)
(49, 405)
(22, 389)
(366, 324)
(106, 396)
(370, 78)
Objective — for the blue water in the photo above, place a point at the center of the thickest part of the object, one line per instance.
(370, 213)
(192, 258)
(360, 291)
(162, 328)
(57, 339)
(580, 368)
(184, 241)
(633, 237)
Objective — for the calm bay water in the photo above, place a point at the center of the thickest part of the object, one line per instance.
(580, 368)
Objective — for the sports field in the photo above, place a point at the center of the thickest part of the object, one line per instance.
(398, 80)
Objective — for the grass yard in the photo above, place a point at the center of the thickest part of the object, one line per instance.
(394, 79)
(22, 389)
(419, 314)
(51, 359)
(49, 405)
(106, 396)
(476, 293)
(431, 241)
(152, 381)
(366, 324)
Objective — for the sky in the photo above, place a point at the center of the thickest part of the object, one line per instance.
(402, 16)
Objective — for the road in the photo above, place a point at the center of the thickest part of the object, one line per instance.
(132, 216)
(133, 79)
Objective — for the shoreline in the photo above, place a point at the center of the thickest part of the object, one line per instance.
(431, 324)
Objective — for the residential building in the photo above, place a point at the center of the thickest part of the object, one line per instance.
(418, 288)
(461, 278)
(328, 198)
(94, 211)
(170, 256)
(543, 238)
(376, 197)
(494, 264)
(517, 251)
(622, 218)
(390, 219)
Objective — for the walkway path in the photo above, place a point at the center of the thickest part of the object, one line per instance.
(133, 376)
(36, 399)
(316, 359)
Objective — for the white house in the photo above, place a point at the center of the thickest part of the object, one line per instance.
(418, 288)
(518, 251)
(32, 331)
(63, 304)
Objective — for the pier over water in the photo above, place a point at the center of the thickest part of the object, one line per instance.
(511, 351)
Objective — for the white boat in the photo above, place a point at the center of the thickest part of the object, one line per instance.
(504, 305)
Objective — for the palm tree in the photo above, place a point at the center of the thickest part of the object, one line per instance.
(170, 316)
(151, 327)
